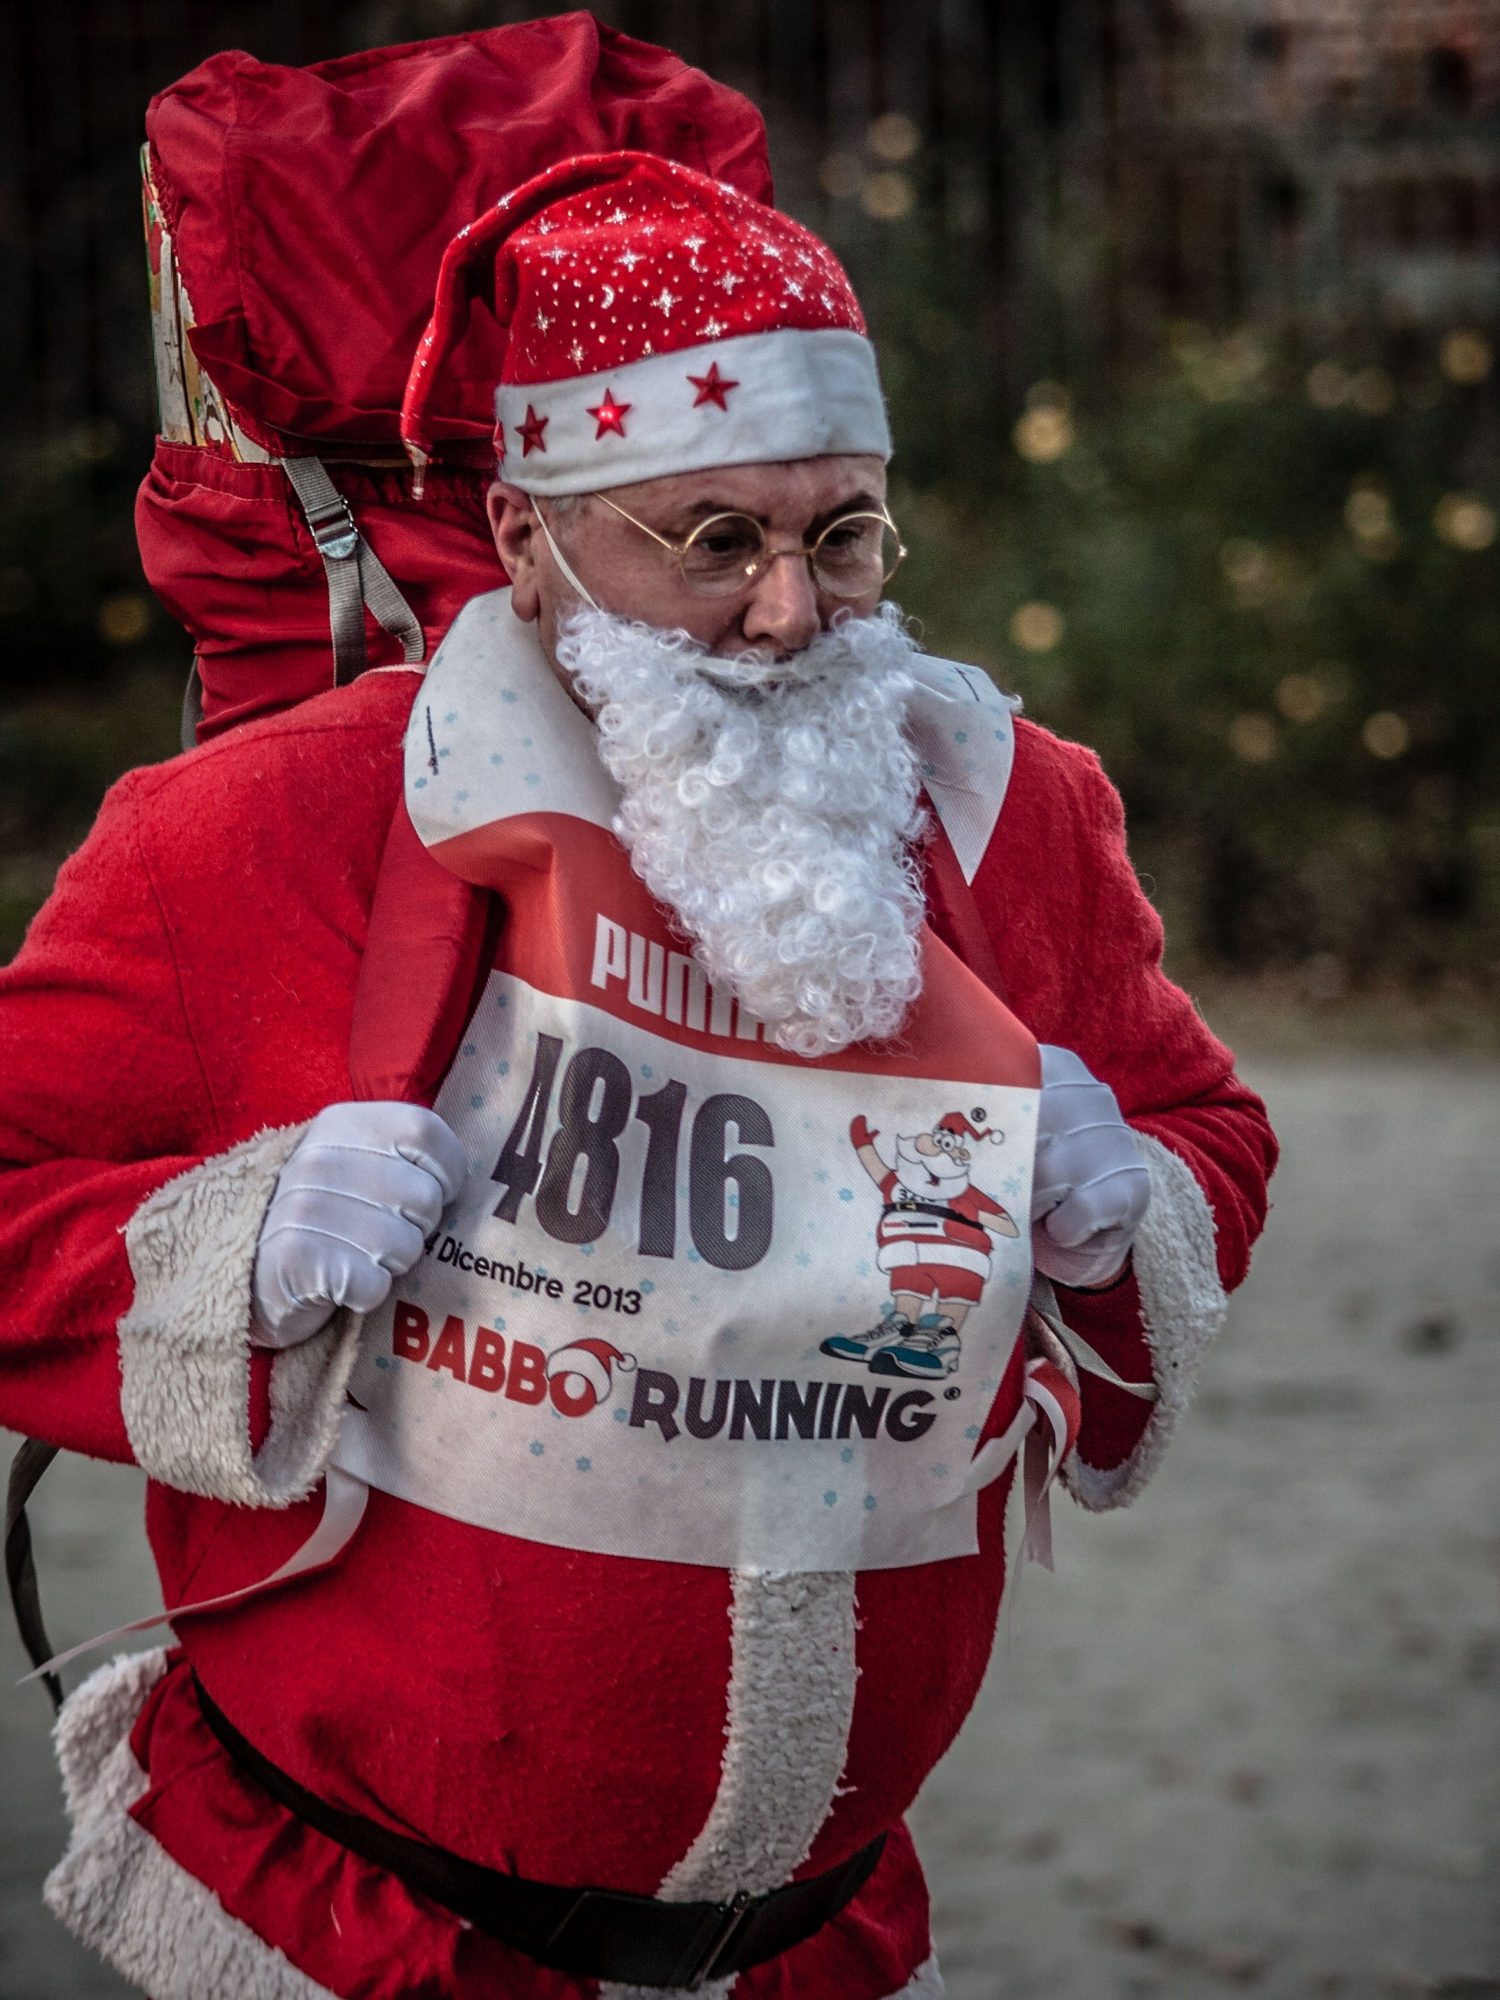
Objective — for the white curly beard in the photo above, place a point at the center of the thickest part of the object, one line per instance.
(773, 809)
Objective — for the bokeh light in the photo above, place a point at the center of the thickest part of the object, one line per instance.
(1037, 627)
(1327, 385)
(842, 175)
(1369, 518)
(1045, 432)
(1301, 697)
(1253, 738)
(1466, 357)
(888, 197)
(893, 137)
(1466, 521)
(125, 618)
(1386, 734)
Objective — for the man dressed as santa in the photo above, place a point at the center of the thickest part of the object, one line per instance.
(429, 1111)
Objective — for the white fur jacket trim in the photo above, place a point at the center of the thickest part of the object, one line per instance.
(123, 1895)
(185, 1342)
(1183, 1305)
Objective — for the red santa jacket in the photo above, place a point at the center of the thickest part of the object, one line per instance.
(182, 1004)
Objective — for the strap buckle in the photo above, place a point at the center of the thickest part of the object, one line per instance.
(333, 529)
(727, 1921)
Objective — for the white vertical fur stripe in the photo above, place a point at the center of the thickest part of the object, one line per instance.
(185, 1341)
(791, 1701)
(1183, 1305)
(124, 1896)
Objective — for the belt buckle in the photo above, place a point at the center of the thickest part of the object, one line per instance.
(731, 1918)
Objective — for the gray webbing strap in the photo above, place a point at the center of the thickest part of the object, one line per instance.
(356, 575)
(1044, 1303)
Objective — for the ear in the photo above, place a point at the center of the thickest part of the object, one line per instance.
(513, 523)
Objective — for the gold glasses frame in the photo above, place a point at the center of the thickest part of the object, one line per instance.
(757, 568)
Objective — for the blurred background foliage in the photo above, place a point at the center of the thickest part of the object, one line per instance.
(1278, 624)
(1188, 316)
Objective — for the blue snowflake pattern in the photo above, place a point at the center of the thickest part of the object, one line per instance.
(475, 1101)
(803, 1258)
(509, 695)
(537, 1447)
(847, 1454)
(822, 1175)
(846, 1194)
(648, 1286)
(830, 1498)
(584, 1464)
(870, 1503)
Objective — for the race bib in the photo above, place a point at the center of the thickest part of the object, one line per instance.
(700, 1300)
(646, 1329)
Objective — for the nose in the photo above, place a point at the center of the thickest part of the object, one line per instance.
(782, 610)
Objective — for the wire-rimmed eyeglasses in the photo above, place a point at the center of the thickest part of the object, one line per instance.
(728, 553)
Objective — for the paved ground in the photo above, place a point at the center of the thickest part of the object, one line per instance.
(1247, 1736)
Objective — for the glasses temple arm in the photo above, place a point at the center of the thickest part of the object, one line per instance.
(562, 562)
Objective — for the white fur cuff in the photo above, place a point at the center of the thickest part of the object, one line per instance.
(1183, 1305)
(124, 1896)
(185, 1342)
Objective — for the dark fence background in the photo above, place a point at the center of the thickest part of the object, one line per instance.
(1188, 315)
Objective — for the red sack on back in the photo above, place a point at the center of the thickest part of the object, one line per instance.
(296, 221)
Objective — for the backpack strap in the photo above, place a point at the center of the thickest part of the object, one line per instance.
(356, 576)
(26, 1468)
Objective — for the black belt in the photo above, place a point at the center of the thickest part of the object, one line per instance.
(914, 1207)
(596, 1933)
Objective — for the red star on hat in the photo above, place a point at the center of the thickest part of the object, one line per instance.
(712, 387)
(611, 415)
(531, 432)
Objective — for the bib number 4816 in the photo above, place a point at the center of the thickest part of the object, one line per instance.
(575, 1183)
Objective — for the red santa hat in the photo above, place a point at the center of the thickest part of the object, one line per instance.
(655, 321)
(955, 1122)
(592, 1363)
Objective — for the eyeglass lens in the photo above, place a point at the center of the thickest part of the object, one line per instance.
(853, 556)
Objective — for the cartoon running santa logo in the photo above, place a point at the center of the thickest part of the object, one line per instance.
(934, 1242)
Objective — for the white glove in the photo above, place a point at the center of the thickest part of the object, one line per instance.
(1091, 1186)
(353, 1208)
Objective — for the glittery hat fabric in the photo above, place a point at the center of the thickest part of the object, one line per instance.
(655, 321)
